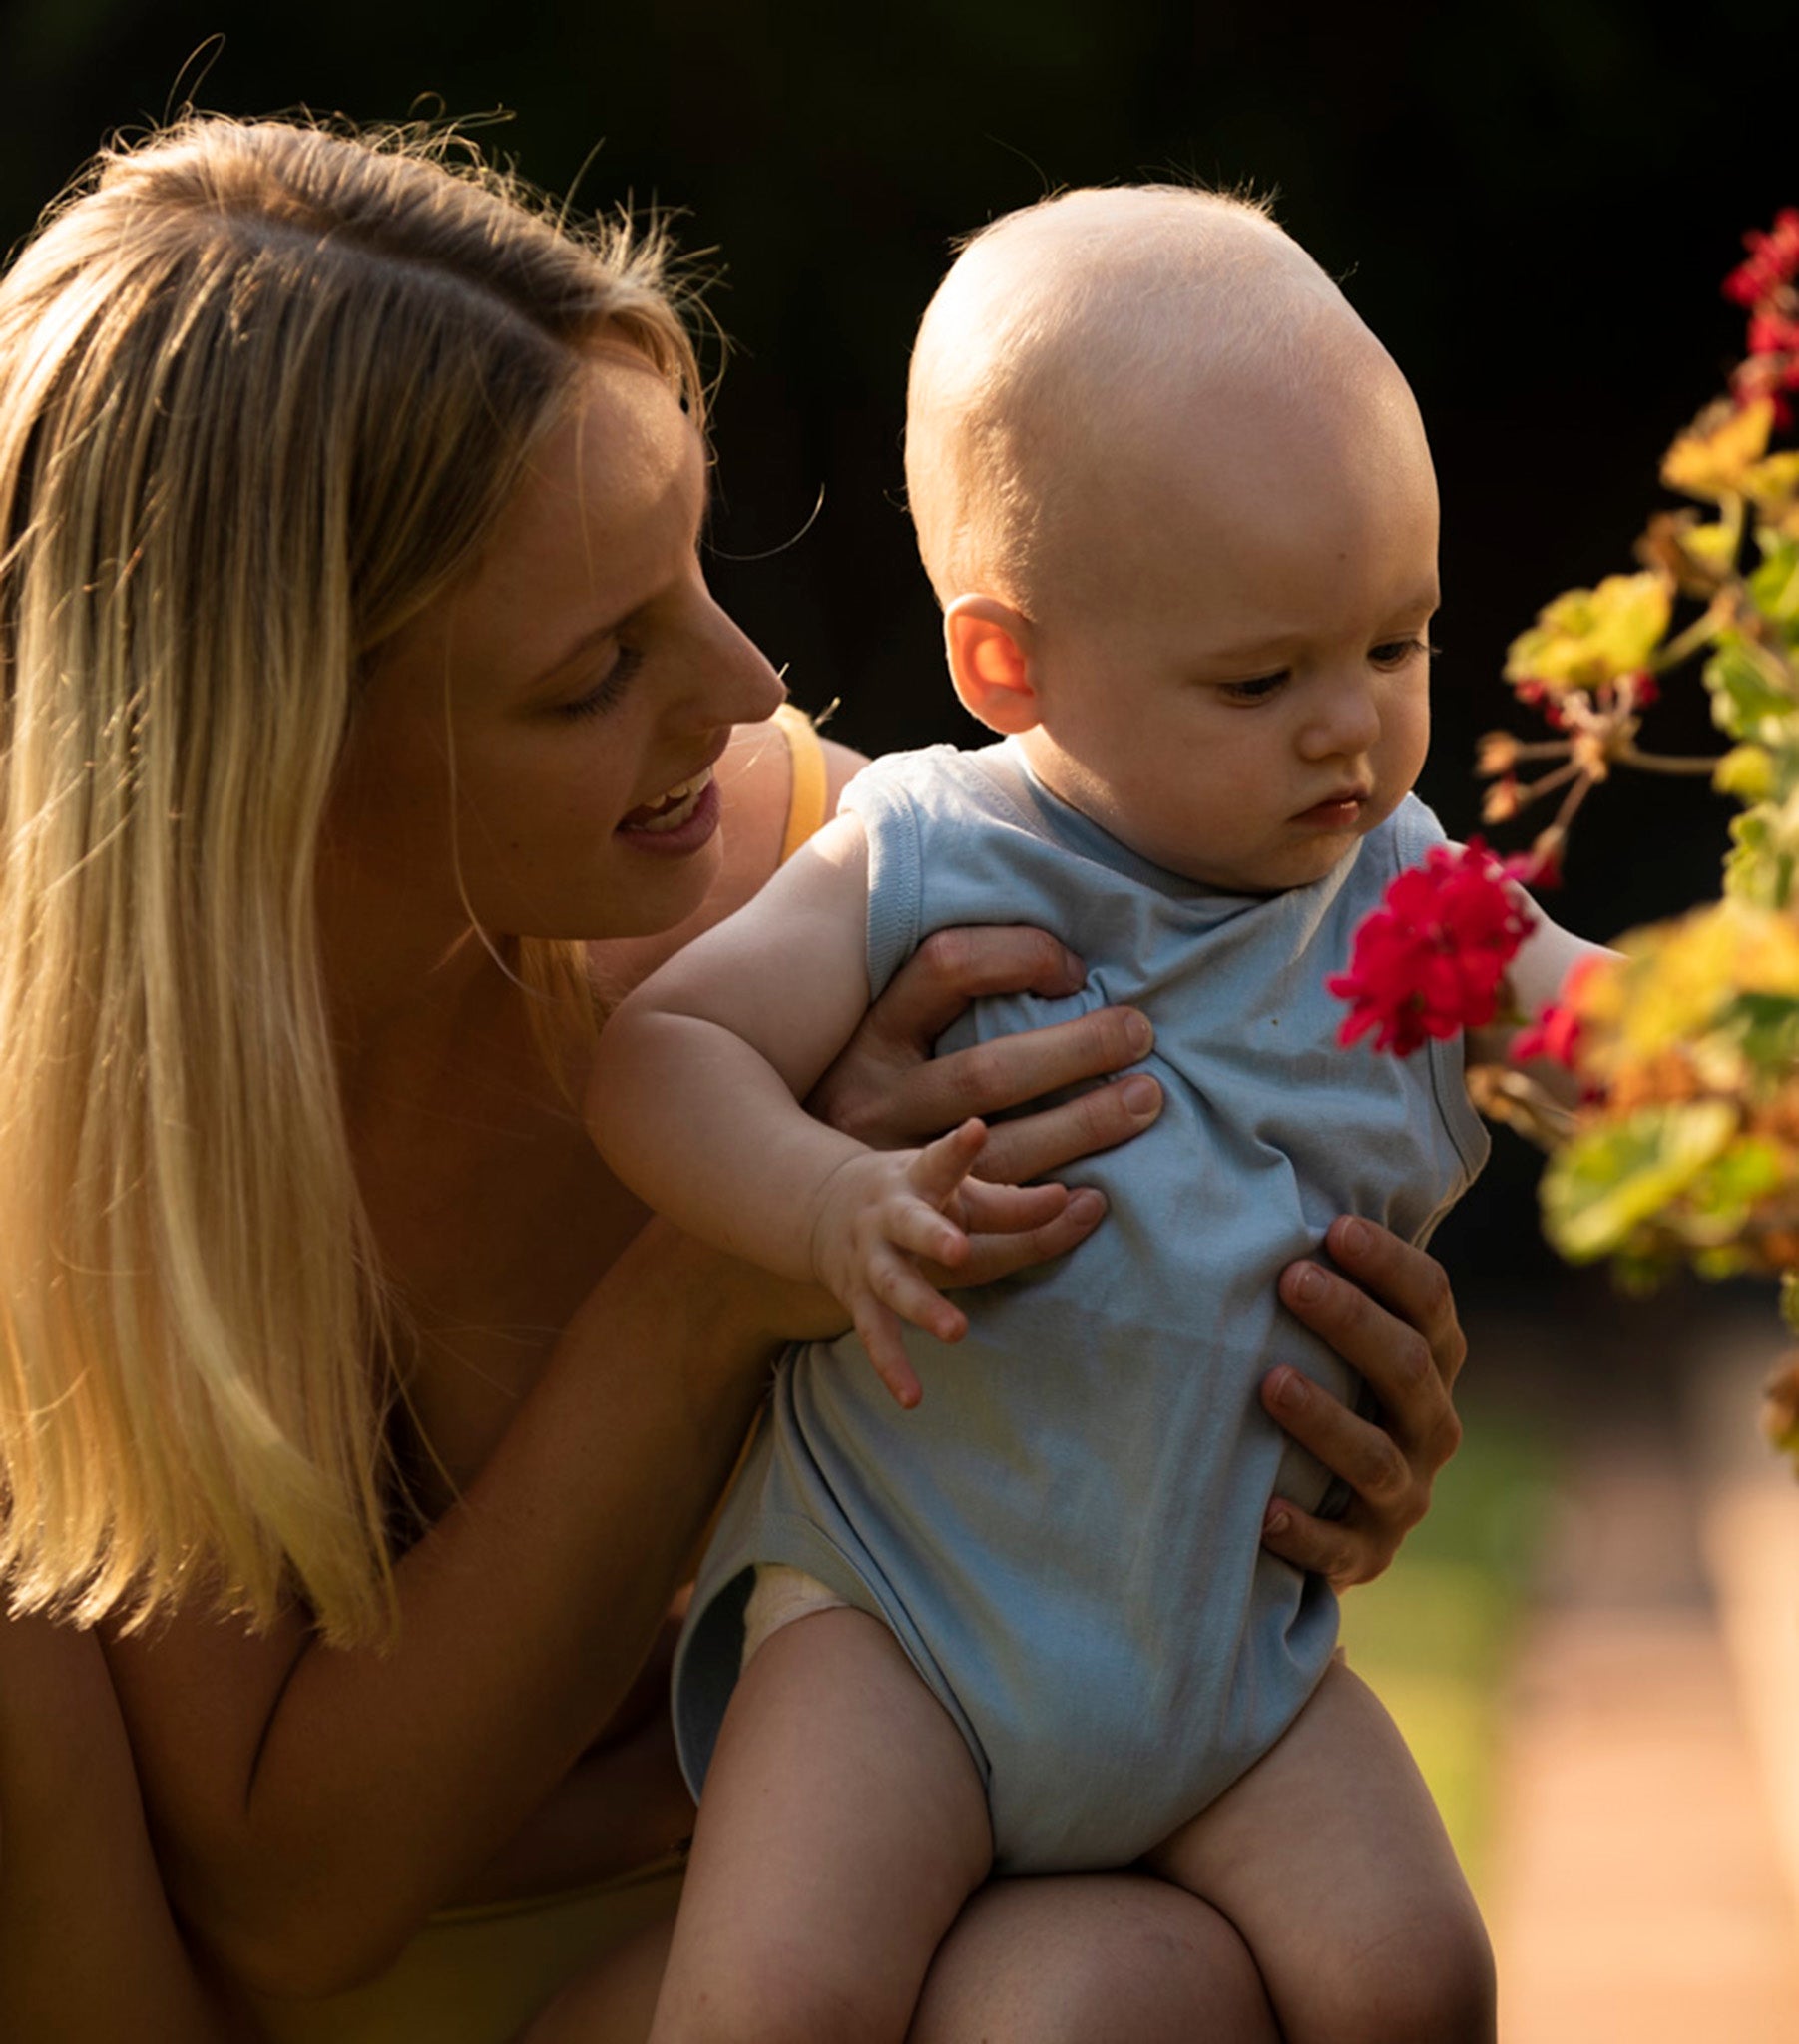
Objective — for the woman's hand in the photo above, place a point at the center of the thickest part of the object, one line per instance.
(889, 1092)
(1391, 1317)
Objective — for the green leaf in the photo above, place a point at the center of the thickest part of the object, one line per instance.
(1766, 1025)
(1606, 1183)
(1744, 701)
(1720, 1198)
(1774, 586)
(1745, 771)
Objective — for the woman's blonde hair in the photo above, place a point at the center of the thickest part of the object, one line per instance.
(265, 388)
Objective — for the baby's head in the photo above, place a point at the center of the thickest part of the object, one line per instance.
(1176, 503)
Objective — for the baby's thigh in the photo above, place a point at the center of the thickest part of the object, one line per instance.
(1330, 1856)
(842, 1825)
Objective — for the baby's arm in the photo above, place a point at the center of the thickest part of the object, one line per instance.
(696, 1104)
(1534, 980)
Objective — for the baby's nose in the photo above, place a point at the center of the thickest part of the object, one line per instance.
(1348, 721)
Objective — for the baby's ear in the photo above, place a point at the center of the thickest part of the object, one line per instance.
(989, 648)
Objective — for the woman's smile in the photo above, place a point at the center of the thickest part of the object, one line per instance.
(677, 822)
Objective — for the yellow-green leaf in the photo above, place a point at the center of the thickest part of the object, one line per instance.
(1613, 1179)
(1588, 637)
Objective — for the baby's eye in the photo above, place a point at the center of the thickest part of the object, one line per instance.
(1256, 690)
(1393, 653)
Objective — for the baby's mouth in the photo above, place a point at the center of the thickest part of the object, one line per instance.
(670, 810)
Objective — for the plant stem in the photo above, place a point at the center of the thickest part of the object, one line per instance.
(1667, 763)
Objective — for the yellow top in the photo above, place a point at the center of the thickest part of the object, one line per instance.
(806, 799)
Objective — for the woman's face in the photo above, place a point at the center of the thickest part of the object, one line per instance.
(533, 751)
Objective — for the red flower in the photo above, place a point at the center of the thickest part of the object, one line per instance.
(1431, 959)
(1773, 333)
(1553, 1036)
(1539, 698)
(1773, 260)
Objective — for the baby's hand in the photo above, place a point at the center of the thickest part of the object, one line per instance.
(893, 1225)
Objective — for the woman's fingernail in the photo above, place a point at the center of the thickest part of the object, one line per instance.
(1276, 1521)
(1138, 1030)
(1308, 1284)
(1086, 1205)
(1287, 1389)
(1142, 1097)
(1352, 1238)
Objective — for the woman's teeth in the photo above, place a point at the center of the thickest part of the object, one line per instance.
(669, 812)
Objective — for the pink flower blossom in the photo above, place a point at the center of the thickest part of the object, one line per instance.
(1432, 958)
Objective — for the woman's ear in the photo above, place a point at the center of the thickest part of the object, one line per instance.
(989, 648)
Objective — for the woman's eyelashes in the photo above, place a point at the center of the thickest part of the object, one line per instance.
(609, 689)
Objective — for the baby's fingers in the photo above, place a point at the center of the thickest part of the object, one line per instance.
(911, 1225)
(898, 1293)
(940, 1167)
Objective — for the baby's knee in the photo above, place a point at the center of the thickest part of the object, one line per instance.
(1433, 1982)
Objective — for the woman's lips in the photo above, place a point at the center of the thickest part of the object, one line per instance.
(678, 822)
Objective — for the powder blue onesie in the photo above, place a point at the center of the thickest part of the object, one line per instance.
(1065, 1535)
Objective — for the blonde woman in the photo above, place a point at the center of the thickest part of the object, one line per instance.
(367, 730)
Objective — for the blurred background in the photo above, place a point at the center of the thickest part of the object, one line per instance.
(1533, 209)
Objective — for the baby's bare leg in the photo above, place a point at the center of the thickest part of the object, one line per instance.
(1092, 1958)
(842, 1827)
(1330, 1858)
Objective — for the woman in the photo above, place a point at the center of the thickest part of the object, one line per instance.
(367, 715)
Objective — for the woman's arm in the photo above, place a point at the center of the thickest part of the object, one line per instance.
(88, 1948)
(312, 1806)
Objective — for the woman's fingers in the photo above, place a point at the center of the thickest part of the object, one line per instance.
(882, 1088)
(1406, 1343)
(955, 966)
(1410, 1282)
(888, 1091)
(1322, 1547)
(1010, 1071)
(1059, 1136)
(992, 1255)
(1007, 1210)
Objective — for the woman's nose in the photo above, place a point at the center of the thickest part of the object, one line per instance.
(739, 685)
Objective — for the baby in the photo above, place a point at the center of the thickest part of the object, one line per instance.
(1177, 504)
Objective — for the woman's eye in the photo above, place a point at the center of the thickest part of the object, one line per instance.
(608, 689)
(1256, 690)
(1397, 652)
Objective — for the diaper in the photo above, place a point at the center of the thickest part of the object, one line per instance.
(780, 1596)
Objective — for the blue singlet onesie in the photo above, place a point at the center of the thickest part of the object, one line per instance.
(1065, 1536)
